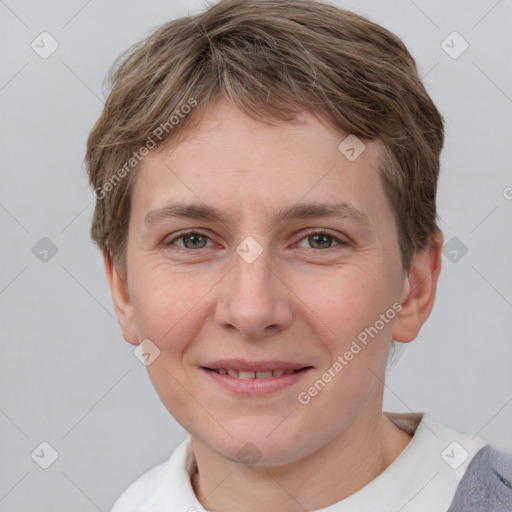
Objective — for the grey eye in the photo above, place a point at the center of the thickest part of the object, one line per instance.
(194, 240)
(321, 241)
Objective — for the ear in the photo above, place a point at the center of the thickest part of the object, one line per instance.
(419, 291)
(121, 299)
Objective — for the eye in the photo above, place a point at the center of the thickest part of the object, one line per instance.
(321, 239)
(318, 239)
(191, 240)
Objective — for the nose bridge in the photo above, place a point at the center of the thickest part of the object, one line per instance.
(252, 299)
(252, 274)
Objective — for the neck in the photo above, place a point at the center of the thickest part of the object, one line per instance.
(340, 468)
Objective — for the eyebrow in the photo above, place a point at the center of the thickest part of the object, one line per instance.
(198, 211)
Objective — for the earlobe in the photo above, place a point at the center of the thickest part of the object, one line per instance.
(419, 291)
(121, 299)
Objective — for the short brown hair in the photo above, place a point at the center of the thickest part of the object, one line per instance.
(273, 59)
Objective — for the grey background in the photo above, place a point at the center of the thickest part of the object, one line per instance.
(68, 377)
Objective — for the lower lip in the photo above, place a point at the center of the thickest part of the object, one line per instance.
(256, 386)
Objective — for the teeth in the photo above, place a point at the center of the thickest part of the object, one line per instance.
(243, 374)
(264, 375)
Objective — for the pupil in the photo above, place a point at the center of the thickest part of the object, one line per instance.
(193, 239)
(317, 237)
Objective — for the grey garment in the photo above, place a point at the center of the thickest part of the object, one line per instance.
(486, 485)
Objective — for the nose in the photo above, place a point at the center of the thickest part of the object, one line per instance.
(253, 299)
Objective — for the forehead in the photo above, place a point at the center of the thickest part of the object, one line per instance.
(235, 164)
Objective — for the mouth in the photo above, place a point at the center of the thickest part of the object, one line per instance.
(254, 379)
(248, 374)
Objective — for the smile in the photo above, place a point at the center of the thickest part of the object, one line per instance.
(254, 383)
(243, 374)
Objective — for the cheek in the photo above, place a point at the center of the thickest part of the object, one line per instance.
(168, 305)
(345, 303)
(357, 342)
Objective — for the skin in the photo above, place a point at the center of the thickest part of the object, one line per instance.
(298, 301)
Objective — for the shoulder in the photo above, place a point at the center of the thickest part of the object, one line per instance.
(166, 481)
(135, 495)
(486, 484)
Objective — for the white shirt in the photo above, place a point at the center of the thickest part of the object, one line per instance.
(423, 478)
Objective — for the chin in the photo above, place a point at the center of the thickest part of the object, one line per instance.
(275, 450)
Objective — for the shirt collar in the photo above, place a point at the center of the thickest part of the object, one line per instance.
(424, 477)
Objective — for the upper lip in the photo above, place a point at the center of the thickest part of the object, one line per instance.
(255, 366)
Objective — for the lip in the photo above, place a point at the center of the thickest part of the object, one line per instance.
(253, 366)
(256, 387)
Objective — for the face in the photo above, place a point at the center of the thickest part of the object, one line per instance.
(273, 284)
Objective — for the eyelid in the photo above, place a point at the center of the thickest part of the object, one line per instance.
(323, 231)
(184, 233)
(312, 231)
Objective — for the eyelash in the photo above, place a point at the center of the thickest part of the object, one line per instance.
(340, 242)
